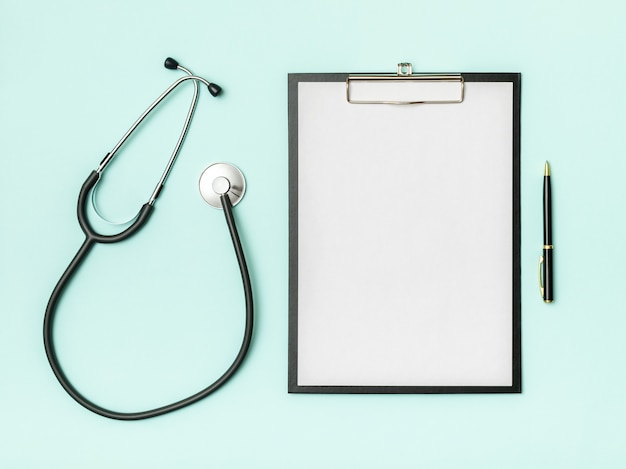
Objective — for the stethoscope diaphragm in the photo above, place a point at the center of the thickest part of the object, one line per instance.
(222, 178)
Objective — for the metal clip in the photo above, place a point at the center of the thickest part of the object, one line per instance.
(541, 289)
(448, 94)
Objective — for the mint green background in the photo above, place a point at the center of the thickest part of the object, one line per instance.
(153, 319)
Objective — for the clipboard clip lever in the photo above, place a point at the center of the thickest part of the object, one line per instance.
(404, 87)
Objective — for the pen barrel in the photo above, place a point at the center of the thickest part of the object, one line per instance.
(547, 211)
(548, 269)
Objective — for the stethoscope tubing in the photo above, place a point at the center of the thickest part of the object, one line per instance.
(90, 232)
(90, 240)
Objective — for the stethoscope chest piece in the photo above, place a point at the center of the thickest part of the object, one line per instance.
(222, 178)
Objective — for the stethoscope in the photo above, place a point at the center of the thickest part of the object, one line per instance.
(221, 185)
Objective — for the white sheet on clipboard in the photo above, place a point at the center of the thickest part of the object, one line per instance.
(404, 239)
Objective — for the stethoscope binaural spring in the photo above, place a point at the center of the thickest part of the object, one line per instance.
(226, 186)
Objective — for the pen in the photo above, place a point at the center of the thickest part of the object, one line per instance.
(546, 261)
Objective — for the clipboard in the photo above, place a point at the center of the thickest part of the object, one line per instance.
(404, 233)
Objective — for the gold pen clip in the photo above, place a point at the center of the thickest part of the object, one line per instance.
(541, 289)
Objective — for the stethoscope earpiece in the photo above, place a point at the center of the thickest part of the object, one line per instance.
(219, 179)
(173, 64)
(214, 89)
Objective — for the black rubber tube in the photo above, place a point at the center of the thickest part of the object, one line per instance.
(83, 221)
(80, 256)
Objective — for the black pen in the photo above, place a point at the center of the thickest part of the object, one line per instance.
(547, 286)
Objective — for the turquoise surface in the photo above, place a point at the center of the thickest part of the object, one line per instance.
(153, 319)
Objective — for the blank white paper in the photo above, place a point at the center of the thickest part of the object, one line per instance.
(405, 240)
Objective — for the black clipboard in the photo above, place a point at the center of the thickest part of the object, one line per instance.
(404, 234)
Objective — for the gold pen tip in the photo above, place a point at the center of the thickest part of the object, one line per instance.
(546, 169)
